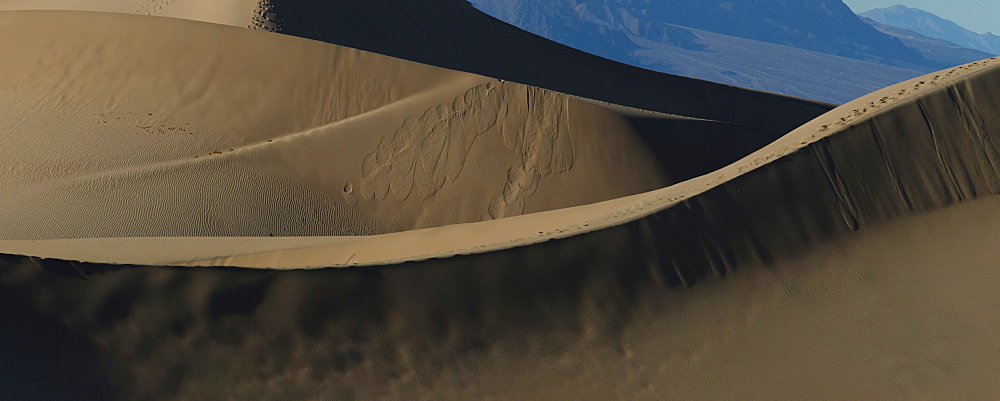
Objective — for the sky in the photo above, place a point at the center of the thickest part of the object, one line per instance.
(976, 15)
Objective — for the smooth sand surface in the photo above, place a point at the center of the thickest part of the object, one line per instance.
(568, 258)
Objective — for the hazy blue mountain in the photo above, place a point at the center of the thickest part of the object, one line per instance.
(769, 67)
(928, 24)
(933, 49)
(631, 32)
(827, 26)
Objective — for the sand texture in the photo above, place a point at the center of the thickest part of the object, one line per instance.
(417, 232)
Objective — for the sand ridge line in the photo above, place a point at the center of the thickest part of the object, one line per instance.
(236, 150)
(783, 147)
(585, 226)
(635, 112)
(939, 78)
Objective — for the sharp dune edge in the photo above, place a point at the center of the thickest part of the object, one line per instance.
(856, 250)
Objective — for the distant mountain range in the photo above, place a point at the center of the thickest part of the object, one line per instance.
(816, 49)
(931, 25)
(827, 26)
(932, 48)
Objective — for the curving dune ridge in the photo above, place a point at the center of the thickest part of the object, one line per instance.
(853, 248)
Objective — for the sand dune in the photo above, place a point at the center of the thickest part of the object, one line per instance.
(205, 141)
(543, 246)
(221, 140)
(454, 35)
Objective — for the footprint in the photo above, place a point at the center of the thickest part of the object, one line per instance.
(266, 19)
(427, 151)
(349, 197)
(542, 139)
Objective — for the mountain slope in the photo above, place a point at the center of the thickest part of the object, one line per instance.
(827, 26)
(929, 24)
(934, 49)
(769, 67)
(630, 36)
